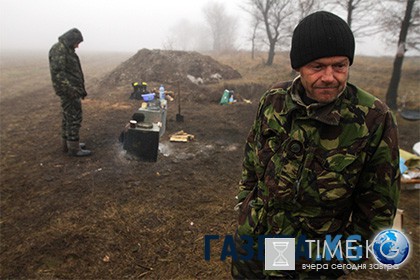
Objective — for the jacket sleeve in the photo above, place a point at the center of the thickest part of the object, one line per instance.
(60, 76)
(377, 193)
(249, 178)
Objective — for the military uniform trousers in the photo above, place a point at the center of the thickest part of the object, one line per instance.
(72, 118)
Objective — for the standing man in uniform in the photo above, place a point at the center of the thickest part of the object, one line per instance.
(322, 156)
(69, 84)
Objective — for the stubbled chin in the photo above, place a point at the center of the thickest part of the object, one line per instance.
(323, 96)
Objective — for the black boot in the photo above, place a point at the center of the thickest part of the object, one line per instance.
(66, 149)
(75, 150)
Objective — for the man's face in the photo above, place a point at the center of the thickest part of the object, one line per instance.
(324, 78)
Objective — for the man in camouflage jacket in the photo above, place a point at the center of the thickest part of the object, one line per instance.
(322, 156)
(69, 84)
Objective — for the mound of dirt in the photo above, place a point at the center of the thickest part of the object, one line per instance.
(169, 67)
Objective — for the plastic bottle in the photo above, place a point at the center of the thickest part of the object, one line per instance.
(161, 92)
(231, 99)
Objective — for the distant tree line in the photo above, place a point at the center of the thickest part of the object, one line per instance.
(271, 23)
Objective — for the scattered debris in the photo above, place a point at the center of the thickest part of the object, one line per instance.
(216, 76)
(225, 99)
(398, 220)
(197, 81)
(145, 267)
(181, 136)
(416, 148)
(136, 248)
(410, 169)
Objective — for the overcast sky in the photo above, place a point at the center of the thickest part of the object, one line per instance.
(112, 25)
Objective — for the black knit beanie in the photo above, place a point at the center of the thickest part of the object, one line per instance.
(321, 34)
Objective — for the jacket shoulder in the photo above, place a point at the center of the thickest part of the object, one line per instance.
(57, 48)
(282, 85)
(277, 91)
(368, 100)
(365, 108)
(274, 97)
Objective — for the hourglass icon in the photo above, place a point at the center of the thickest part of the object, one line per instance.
(280, 247)
(279, 254)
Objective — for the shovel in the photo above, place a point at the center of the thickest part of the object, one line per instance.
(179, 117)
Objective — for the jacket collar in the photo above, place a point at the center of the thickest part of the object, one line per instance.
(325, 113)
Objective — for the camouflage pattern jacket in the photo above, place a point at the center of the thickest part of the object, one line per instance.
(319, 169)
(66, 71)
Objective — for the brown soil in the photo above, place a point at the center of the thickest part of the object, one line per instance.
(110, 216)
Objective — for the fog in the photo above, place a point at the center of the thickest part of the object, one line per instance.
(116, 25)
(110, 25)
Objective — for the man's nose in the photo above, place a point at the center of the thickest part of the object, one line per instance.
(328, 75)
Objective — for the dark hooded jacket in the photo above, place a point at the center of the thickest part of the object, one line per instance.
(66, 71)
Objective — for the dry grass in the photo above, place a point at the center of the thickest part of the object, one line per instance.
(370, 73)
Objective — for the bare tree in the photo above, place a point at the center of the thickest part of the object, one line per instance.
(409, 22)
(276, 19)
(275, 16)
(255, 24)
(305, 7)
(413, 37)
(362, 15)
(391, 21)
(222, 26)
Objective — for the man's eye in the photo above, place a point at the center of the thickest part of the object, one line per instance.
(340, 66)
